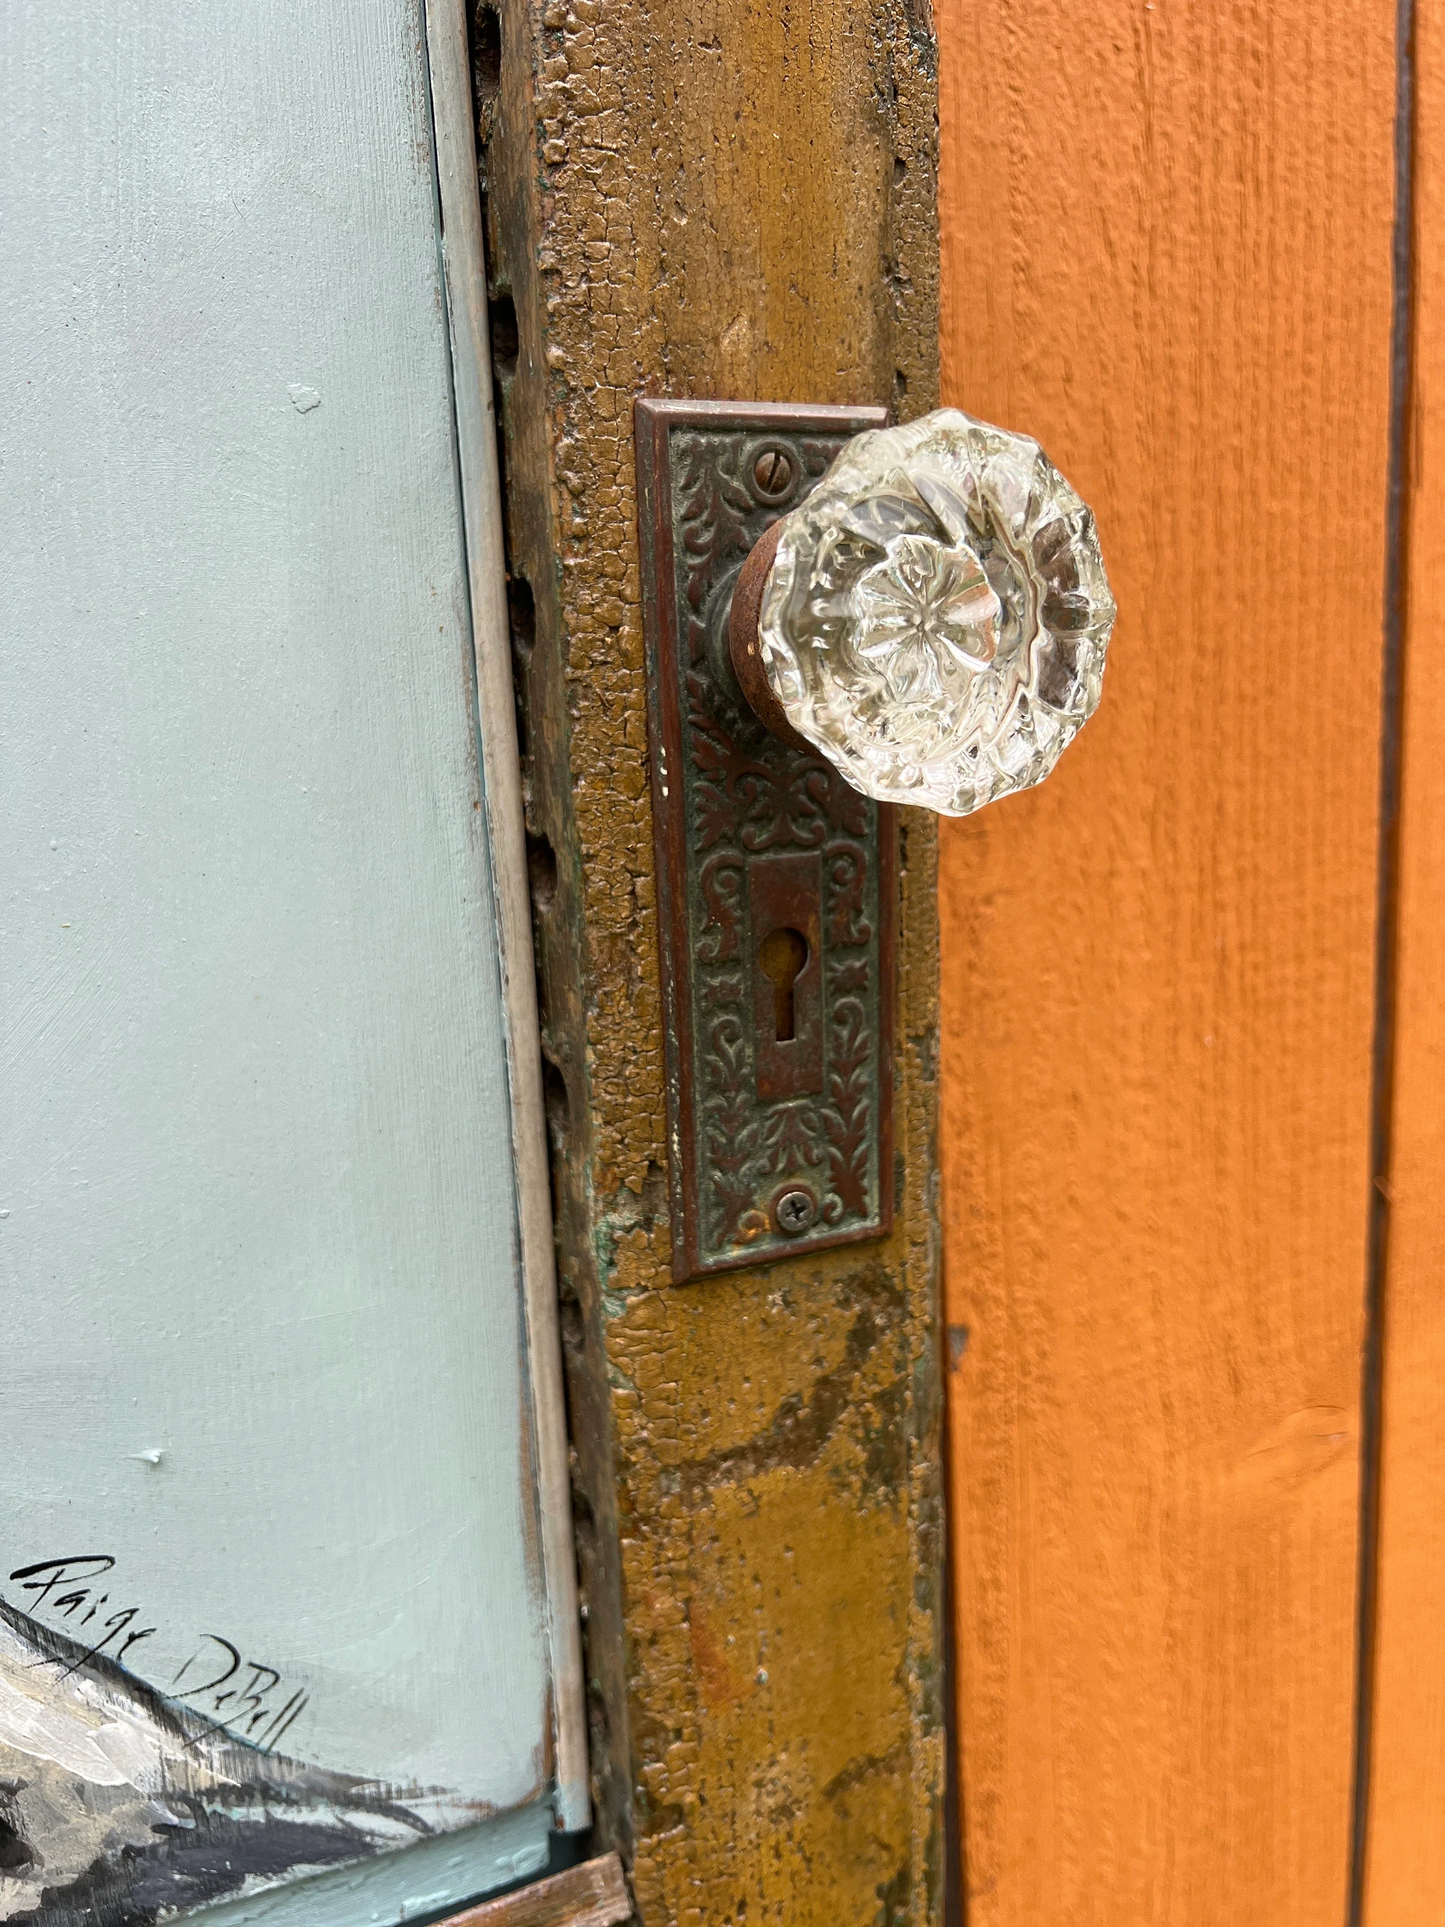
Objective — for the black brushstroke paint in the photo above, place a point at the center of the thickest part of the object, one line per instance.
(16, 1853)
(261, 1821)
(190, 1867)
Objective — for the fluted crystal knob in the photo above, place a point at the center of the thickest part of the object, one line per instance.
(933, 617)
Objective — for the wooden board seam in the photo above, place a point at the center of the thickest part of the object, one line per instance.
(593, 1894)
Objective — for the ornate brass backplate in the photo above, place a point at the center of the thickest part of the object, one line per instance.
(776, 879)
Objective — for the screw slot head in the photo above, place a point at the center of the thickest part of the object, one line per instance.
(795, 1211)
(773, 474)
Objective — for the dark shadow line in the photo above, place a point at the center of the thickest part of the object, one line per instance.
(1386, 941)
(954, 1897)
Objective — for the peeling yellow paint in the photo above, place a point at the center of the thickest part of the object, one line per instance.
(727, 200)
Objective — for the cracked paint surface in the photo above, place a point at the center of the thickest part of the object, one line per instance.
(706, 200)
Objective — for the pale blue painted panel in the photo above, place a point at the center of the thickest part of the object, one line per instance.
(263, 1328)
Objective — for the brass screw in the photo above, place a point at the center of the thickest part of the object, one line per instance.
(773, 473)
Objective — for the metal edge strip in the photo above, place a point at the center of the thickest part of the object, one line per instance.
(464, 268)
(651, 425)
(890, 911)
(824, 417)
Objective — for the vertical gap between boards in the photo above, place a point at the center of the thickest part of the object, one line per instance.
(1386, 937)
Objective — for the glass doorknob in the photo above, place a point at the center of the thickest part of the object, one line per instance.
(933, 618)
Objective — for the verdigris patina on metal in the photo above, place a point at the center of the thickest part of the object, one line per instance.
(776, 878)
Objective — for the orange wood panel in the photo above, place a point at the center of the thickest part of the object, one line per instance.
(1167, 230)
(1405, 1861)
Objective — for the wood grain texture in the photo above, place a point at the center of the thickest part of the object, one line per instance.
(1405, 1856)
(716, 199)
(1166, 252)
(593, 1894)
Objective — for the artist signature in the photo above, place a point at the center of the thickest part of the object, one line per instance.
(244, 1696)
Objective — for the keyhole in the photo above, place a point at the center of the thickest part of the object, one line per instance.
(782, 955)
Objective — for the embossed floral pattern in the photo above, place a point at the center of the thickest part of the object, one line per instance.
(745, 801)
